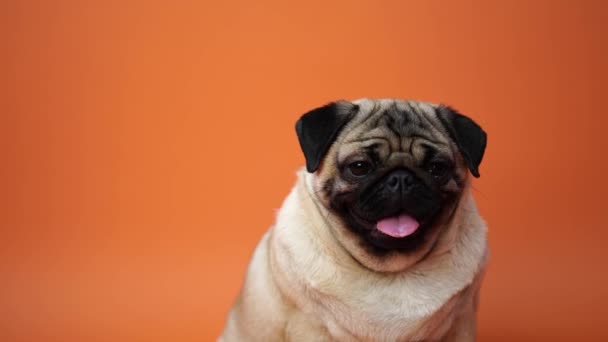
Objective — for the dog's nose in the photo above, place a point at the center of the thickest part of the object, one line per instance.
(400, 180)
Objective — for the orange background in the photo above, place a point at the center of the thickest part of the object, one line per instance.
(146, 146)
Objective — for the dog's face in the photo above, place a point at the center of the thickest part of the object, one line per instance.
(391, 170)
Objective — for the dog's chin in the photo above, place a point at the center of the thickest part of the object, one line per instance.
(381, 241)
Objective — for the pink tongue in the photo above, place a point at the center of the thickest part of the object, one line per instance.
(398, 226)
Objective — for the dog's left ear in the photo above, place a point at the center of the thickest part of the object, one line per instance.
(466, 133)
(319, 128)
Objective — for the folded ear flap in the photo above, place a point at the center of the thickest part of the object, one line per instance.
(468, 136)
(319, 128)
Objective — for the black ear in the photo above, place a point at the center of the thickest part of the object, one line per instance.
(468, 136)
(318, 129)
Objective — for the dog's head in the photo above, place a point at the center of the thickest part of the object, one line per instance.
(391, 170)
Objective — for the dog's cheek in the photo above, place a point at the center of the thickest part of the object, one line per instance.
(331, 189)
(327, 188)
(343, 197)
(451, 186)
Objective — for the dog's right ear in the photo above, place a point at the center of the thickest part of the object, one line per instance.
(318, 129)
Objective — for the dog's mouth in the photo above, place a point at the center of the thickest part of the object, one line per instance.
(398, 231)
(399, 226)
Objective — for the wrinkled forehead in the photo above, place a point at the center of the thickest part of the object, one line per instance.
(404, 126)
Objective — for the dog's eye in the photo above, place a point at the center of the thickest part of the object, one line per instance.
(438, 169)
(360, 168)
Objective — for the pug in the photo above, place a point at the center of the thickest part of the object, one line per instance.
(380, 238)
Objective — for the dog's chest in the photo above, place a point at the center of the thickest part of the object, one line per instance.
(380, 316)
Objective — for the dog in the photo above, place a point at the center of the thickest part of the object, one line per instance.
(380, 239)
